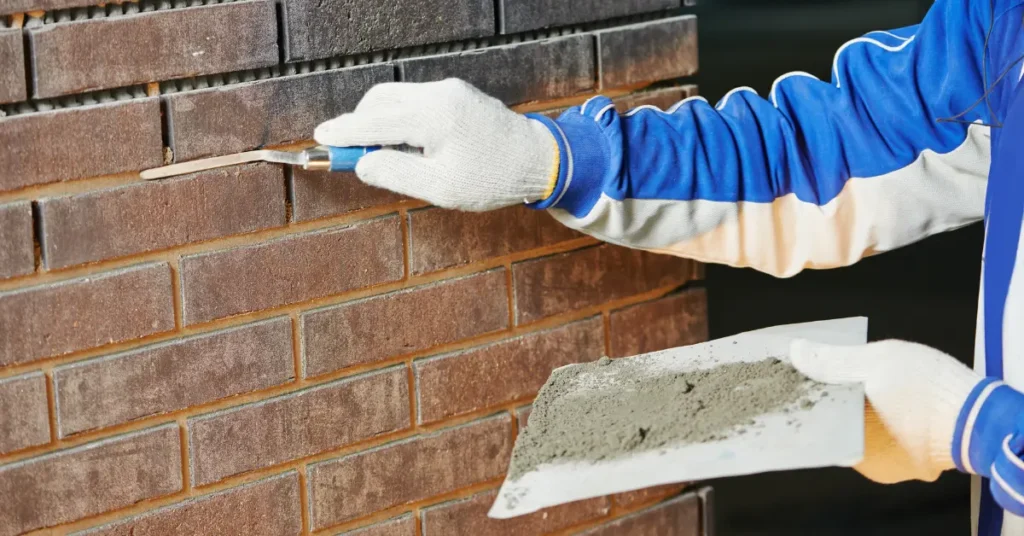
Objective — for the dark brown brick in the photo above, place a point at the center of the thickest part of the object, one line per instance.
(25, 418)
(516, 73)
(154, 215)
(87, 312)
(22, 6)
(88, 480)
(399, 526)
(678, 517)
(502, 372)
(648, 52)
(17, 254)
(172, 376)
(631, 499)
(469, 516)
(290, 270)
(660, 98)
(318, 194)
(95, 140)
(12, 67)
(589, 277)
(408, 471)
(403, 322)
(445, 238)
(522, 15)
(268, 507)
(90, 54)
(297, 425)
(676, 320)
(318, 28)
(237, 118)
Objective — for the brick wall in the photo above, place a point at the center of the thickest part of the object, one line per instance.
(255, 350)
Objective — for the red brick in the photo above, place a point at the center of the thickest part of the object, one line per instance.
(399, 526)
(153, 215)
(408, 471)
(172, 376)
(648, 51)
(297, 425)
(17, 253)
(516, 73)
(59, 318)
(268, 507)
(678, 517)
(99, 477)
(95, 140)
(673, 321)
(663, 99)
(26, 419)
(522, 15)
(445, 238)
(319, 194)
(12, 66)
(469, 516)
(632, 499)
(589, 277)
(403, 322)
(502, 372)
(90, 54)
(240, 117)
(290, 270)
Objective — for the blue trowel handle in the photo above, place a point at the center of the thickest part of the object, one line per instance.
(341, 158)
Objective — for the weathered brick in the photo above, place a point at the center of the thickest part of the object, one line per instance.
(17, 255)
(153, 215)
(522, 15)
(678, 517)
(403, 322)
(24, 417)
(172, 376)
(469, 516)
(12, 67)
(589, 277)
(648, 51)
(55, 319)
(481, 235)
(318, 28)
(300, 424)
(318, 194)
(502, 372)
(22, 6)
(90, 54)
(408, 471)
(660, 98)
(268, 507)
(88, 480)
(676, 320)
(399, 526)
(523, 416)
(632, 499)
(237, 118)
(95, 140)
(516, 73)
(289, 270)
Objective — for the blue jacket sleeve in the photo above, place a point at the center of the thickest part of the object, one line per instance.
(816, 175)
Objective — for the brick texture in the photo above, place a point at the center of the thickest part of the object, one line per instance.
(56, 319)
(403, 322)
(266, 508)
(469, 516)
(241, 117)
(90, 54)
(589, 277)
(154, 215)
(678, 517)
(319, 194)
(26, 421)
(516, 73)
(12, 67)
(673, 321)
(449, 385)
(318, 28)
(409, 470)
(288, 270)
(631, 499)
(297, 425)
(95, 140)
(648, 52)
(522, 15)
(21, 6)
(17, 256)
(481, 235)
(176, 375)
(400, 526)
(89, 480)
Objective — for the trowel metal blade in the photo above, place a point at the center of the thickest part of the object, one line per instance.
(184, 168)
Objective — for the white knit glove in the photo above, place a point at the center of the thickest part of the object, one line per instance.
(477, 154)
(914, 397)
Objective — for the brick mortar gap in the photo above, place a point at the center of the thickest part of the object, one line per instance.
(304, 504)
(186, 460)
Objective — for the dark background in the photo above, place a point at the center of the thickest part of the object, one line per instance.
(925, 293)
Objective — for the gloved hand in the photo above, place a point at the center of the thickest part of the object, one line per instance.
(914, 398)
(477, 154)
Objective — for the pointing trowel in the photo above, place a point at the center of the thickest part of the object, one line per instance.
(321, 158)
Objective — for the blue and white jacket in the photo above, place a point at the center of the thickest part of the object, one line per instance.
(820, 175)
